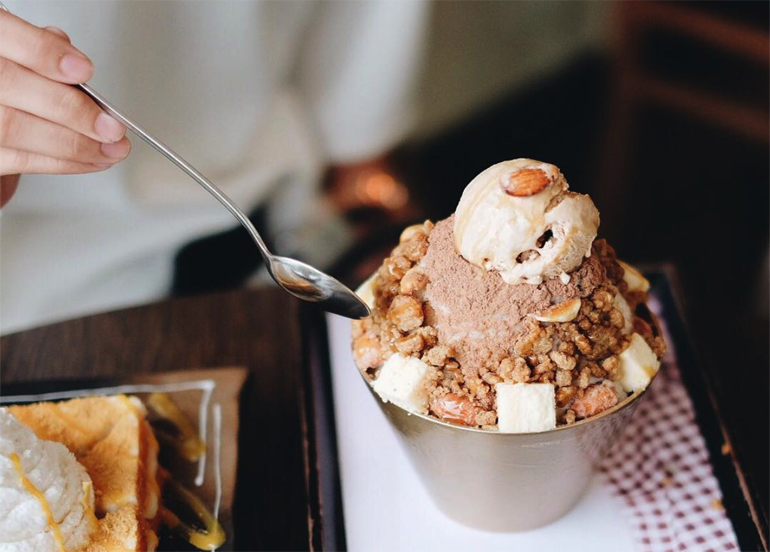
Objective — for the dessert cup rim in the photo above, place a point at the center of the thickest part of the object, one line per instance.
(628, 401)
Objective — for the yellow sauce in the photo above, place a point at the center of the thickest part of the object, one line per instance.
(151, 467)
(31, 489)
(649, 370)
(152, 540)
(210, 538)
(88, 511)
(189, 444)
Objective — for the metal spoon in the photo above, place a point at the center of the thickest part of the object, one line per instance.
(300, 279)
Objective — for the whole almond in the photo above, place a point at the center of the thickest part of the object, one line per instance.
(454, 408)
(525, 182)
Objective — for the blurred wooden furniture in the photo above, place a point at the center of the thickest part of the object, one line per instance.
(639, 83)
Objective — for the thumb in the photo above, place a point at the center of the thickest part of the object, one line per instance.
(8, 185)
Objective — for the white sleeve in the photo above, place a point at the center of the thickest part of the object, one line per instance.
(358, 71)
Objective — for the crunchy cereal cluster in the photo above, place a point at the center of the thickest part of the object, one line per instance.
(579, 357)
(398, 316)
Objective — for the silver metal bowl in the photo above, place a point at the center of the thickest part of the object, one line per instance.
(507, 481)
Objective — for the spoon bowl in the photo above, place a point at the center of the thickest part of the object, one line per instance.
(310, 284)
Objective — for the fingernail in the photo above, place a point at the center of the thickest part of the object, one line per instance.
(118, 150)
(101, 166)
(75, 67)
(109, 128)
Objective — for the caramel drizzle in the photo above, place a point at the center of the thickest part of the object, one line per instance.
(191, 447)
(209, 538)
(151, 452)
(88, 510)
(188, 443)
(31, 489)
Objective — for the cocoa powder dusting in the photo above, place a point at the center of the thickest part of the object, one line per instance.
(476, 312)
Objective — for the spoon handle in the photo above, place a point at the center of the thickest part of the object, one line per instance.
(177, 159)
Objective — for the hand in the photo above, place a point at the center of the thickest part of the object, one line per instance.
(46, 125)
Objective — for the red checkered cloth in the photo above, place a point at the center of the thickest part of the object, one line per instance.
(660, 470)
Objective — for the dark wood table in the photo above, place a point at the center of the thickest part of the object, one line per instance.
(258, 329)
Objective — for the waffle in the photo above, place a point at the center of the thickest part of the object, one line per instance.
(112, 439)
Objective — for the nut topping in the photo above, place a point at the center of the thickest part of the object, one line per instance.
(525, 182)
(454, 408)
(405, 313)
(413, 281)
(563, 312)
(596, 398)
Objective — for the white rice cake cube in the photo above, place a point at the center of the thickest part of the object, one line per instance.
(402, 381)
(625, 309)
(525, 407)
(634, 278)
(638, 365)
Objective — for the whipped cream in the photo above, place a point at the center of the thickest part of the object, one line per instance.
(518, 219)
(65, 493)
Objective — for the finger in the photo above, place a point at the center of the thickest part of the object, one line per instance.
(59, 32)
(63, 104)
(22, 131)
(24, 162)
(45, 53)
(8, 185)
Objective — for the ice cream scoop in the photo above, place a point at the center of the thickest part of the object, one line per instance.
(46, 496)
(519, 219)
